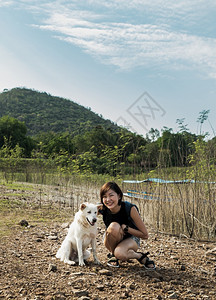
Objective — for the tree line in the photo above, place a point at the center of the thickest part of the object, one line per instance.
(105, 151)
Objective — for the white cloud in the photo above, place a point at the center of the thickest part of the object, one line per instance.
(125, 43)
(128, 45)
(6, 3)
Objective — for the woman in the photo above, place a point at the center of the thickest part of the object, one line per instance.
(124, 227)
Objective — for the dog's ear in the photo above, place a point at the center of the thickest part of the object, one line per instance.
(99, 208)
(82, 206)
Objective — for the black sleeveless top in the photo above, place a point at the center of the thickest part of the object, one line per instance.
(121, 217)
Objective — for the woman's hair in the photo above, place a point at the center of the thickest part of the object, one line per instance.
(111, 186)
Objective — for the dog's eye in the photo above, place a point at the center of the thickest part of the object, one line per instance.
(88, 212)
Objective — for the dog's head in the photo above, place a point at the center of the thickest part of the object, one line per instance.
(90, 211)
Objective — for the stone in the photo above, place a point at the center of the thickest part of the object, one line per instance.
(65, 225)
(24, 223)
(53, 237)
(173, 296)
(80, 293)
(105, 272)
(132, 286)
(59, 296)
(100, 287)
(52, 268)
(211, 252)
(182, 268)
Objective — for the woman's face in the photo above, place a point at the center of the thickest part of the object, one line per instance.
(110, 199)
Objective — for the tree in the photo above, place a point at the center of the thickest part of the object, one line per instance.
(175, 147)
(14, 132)
(51, 143)
(153, 134)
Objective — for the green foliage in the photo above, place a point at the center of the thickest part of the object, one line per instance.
(51, 144)
(203, 168)
(72, 139)
(12, 158)
(175, 147)
(13, 133)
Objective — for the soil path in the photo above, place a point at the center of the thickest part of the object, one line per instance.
(29, 269)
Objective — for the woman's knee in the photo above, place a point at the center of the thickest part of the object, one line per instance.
(114, 229)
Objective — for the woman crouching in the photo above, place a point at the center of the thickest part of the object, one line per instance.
(124, 228)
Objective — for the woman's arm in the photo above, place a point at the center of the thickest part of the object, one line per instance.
(142, 230)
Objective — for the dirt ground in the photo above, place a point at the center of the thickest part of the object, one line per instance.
(29, 270)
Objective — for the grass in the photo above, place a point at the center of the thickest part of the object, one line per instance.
(18, 186)
(11, 214)
(15, 206)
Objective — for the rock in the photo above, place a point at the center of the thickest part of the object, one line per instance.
(59, 296)
(105, 272)
(23, 223)
(125, 295)
(49, 297)
(173, 296)
(52, 268)
(77, 274)
(80, 293)
(100, 287)
(38, 240)
(65, 225)
(132, 286)
(211, 253)
(53, 237)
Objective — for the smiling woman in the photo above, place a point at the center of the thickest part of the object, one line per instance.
(124, 227)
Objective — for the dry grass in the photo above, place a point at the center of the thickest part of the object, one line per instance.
(186, 209)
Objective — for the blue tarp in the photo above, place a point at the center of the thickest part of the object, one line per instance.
(159, 180)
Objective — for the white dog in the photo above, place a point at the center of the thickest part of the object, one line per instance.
(82, 232)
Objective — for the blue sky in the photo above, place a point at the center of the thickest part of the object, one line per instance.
(143, 64)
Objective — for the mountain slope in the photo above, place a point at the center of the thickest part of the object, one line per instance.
(42, 112)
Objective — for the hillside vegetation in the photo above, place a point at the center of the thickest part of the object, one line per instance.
(80, 141)
(42, 112)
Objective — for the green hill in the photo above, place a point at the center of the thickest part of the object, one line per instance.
(42, 112)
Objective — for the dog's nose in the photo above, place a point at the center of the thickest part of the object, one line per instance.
(94, 220)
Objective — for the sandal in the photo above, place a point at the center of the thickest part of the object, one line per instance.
(110, 255)
(147, 263)
(112, 262)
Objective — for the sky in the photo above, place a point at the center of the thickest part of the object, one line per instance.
(142, 64)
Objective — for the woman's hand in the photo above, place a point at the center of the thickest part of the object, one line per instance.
(124, 228)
